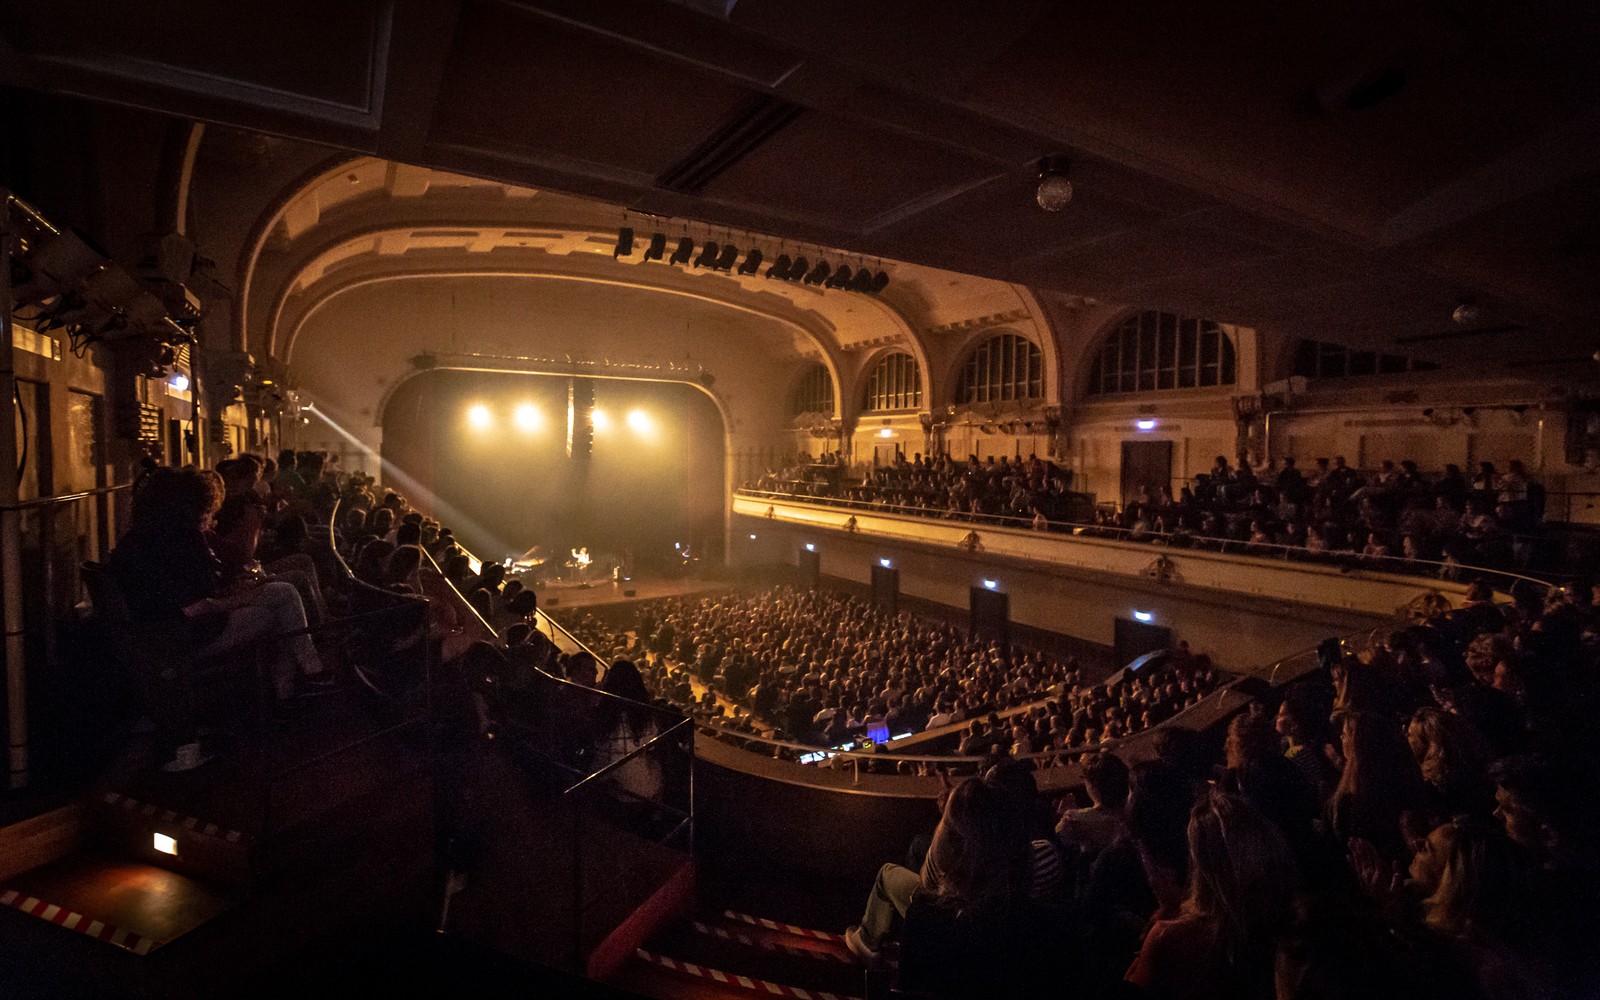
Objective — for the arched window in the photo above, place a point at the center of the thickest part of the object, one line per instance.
(1004, 367)
(1318, 359)
(894, 384)
(814, 394)
(1157, 350)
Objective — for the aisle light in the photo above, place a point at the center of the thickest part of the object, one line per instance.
(1143, 616)
(599, 419)
(528, 417)
(480, 417)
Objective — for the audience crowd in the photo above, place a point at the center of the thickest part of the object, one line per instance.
(1391, 517)
(1416, 819)
(825, 668)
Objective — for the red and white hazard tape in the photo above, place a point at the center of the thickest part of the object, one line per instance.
(729, 979)
(724, 934)
(189, 823)
(773, 925)
(99, 930)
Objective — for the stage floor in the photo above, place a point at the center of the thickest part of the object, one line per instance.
(644, 588)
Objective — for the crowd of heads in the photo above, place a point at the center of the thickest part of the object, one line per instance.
(1388, 516)
(1416, 818)
(1028, 491)
(826, 668)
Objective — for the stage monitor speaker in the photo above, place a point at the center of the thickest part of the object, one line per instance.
(886, 589)
(990, 614)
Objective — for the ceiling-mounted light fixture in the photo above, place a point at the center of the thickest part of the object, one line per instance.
(798, 269)
(841, 277)
(752, 262)
(819, 274)
(684, 251)
(1055, 190)
(708, 254)
(730, 253)
(780, 267)
(1466, 313)
(657, 248)
(624, 243)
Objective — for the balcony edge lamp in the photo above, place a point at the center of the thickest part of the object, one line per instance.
(657, 248)
(1055, 190)
(798, 269)
(624, 243)
(818, 274)
(730, 253)
(708, 254)
(752, 261)
(780, 267)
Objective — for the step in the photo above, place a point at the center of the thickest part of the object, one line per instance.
(668, 978)
(134, 907)
(731, 950)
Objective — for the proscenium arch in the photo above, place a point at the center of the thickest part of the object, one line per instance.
(318, 302)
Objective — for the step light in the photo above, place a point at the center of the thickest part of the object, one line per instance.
(164, 844)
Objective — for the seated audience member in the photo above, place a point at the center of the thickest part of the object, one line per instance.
(1092, 830)
(169, 575)
(1223, 941)
(1379, 785)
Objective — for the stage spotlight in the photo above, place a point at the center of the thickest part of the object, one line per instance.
(640, 422)
(480, 417)
(528, 417)
(819, 274)
(780, 267)
(624, 243)
(599, 420)
(841, 277)
(708, 254)
(730, 253)
(657, 248)
(684, 251)
(879, 283)
(752, 262)
(862, 281)
(798, 269)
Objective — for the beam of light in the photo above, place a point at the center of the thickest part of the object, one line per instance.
(640, 422)
(600, 420)
(479, 417)
(528, 417)
(422, 498)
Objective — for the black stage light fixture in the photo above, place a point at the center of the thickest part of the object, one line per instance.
(780, 267)
(657, 247)
(862, 281)
(708, 254)
(684, 251)
(730, 253)
(798, 269)
(841, 277)
(879, 282)
(624, 243)
(819, 274)
(752, 262)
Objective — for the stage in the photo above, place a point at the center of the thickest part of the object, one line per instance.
(645, 587)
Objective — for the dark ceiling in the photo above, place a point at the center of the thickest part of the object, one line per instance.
(1348, 172)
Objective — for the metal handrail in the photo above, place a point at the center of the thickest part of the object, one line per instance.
(1167, 539)
(65, 498)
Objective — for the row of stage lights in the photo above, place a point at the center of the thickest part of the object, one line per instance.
(529, 419)
(724, 257)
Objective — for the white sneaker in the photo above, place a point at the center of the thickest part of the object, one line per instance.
(859, 947)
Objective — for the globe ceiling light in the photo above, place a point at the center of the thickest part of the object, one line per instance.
(1055, 190)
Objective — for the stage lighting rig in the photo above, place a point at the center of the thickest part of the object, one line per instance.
(730, 253)
(840, 278)
(752, 262)
(780, 267)
(798, 269)
(684, 251)
(819, 274)
(708, 255)
(657, 248)
(624, 246)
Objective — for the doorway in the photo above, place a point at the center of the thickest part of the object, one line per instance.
(1146, 464)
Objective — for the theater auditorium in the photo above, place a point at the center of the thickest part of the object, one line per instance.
(717, 499)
